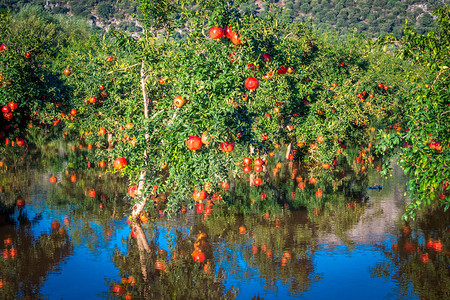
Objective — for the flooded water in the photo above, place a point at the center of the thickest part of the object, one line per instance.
(72, 240)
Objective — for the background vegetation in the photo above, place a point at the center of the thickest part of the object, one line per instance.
(114, 94)
(371, 17)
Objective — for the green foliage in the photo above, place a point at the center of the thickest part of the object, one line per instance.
(317, 97)
(32, 38)
(121, 92)
(425, 138)
(105, 10)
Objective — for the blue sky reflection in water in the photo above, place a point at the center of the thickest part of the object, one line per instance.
(360, 262)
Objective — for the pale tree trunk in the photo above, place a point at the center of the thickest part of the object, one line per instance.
(288, 150)
(252, 176)
(138, 207)
(110, 141)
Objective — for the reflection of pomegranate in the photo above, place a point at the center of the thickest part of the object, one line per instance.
(55, 225)
(198, 256)
(118, 289)
(409, 247)
(242, 230)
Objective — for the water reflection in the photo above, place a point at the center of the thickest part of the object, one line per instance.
(186, 271)
(420, 256)
(27, 259)
(280, 240)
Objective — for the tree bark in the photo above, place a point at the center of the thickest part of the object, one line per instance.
(288, 150)
(110, 142)
(139, 207)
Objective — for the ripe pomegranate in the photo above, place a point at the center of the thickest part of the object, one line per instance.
(12, 106)
(228, 32)
(320, 139)
(236, 39)
(179, 101)
(132, 190)
(119, 163)
(20, 142)
(92, 193)
(319, 193)
(206, 138)
(259, 162)
(199, 196)
(227, 147)
(6, 109)
(251, 83)
(257, 181)
(215, 32)
(225, 186)
(266, 57)
(282, 70)
(194, 143)
(199, 208)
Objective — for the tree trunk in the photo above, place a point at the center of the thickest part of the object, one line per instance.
(110, 141)
(288, 150)
(138, 207)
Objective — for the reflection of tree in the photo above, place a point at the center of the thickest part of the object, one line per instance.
(16, 184)
(280, 247)
(280, 243)
(28, 260)
(157, 274)
(288, 185)
(420, 257)
(94, 201)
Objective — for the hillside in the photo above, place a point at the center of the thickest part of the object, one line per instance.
(102, 13)
(371, 17)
